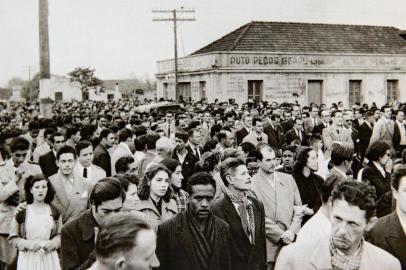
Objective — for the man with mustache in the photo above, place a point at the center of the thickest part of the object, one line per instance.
(244, 214)
(352, 213)
(195, 239)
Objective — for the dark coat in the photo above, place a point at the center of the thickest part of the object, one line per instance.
(47, 162)
(240, 134)
(276, 138)
(175, 245)
(77, 242)
(291, 136)
(188, 166)
(382, 188)
(102, 159)
(396, 139)
(287, 124)
(365, 133)
(244, 255)
(388, 234)
(319, 128)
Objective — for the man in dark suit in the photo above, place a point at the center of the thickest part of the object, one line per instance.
(77, 236)
(325, 116)
(245, 215)
(47, 162)
(195, 239)
(389, 232)
(296, 133)
(240, 134)
(288, 123)
(101, 155)
(274, 131)
(399, 134)
(193, 155)
(365, 133)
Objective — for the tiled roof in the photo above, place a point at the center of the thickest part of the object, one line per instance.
(310, 38)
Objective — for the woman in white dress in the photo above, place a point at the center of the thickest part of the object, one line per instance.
(35, 231)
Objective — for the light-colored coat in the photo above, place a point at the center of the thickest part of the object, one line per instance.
(151, 214)
(382, 131)
(121, 151)
(330, 136)
(70, 206)
(252, 138)
(315, 255)
(97, 173)
(8, 188)
(279, 203)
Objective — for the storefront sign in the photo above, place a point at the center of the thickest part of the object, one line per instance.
(280, 60)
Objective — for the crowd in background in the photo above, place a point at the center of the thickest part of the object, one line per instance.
(216, 185)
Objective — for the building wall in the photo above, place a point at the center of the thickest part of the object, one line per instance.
(285, 76)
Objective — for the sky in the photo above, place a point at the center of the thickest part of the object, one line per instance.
(119, 39)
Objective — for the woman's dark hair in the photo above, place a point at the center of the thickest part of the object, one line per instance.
(377, 150)
(357, 194)
(301, 157)
(29, 184)
(106, 189)
(171, 164)
(144, 188)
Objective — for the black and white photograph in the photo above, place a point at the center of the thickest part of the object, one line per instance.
(202, 135)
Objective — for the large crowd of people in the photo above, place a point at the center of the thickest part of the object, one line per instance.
(210, 186)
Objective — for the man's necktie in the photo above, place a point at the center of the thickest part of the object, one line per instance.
(169, 131)
(259, 139)
(245, 223)
(85, 172)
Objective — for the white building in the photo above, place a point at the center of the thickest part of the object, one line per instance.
(278, 61)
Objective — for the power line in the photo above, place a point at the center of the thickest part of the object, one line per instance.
(174, 18)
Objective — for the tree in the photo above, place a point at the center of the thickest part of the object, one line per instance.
(29, 89)
(85, 76)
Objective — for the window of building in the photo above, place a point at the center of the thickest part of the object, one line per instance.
(392, 90)
(58, 96)
(255, 90)
(315, 91)
(354, 93)
(202, 89)
(110, 96)
(184, 90)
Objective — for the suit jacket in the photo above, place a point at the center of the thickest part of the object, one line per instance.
(97, 174)
(315, 255)
(397, 135)
(175, 245)
(252, 138)
(365, 133)
(383, 131)
(151, 213)
(287, 124)
(388, 234)
(240, 135)
(77, 242)
(382, 188)
(205, 131)
(102, 159)
(166, 128)
(70, 206)
(47, 163)
(291, 135)
(331, 135)
(244, 254)
(275, 135)
(188, 165)
(279, 203)
(9, 188)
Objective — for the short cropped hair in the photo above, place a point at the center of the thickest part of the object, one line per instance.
(124, 134)
(340, 154)
(66, 149)
(184, 136)
(104, 133)
(19, 144)
(399, 171)
(122, 164)
(106, 189)
(357, 194)
(117, 234)
(200, 178)
(327, 187)
(127, 179)
(228, 167)
(82, 145)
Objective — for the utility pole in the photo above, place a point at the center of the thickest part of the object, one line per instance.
(29, 82)
(175, 19)
(44, 39)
